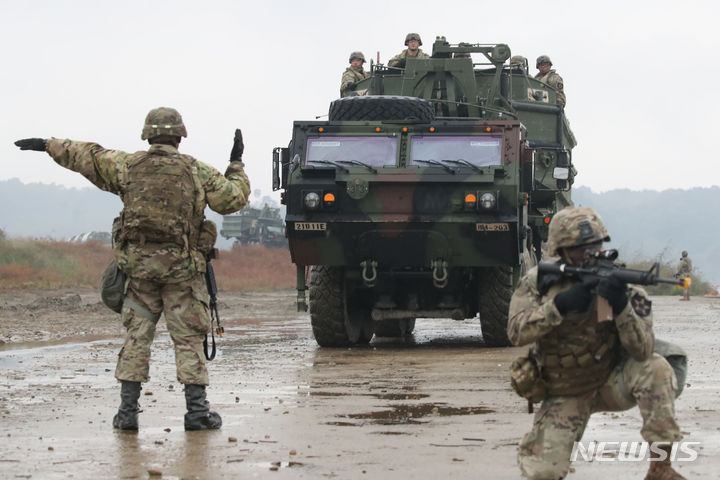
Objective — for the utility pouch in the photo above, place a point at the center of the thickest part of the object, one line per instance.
(526, 379)
(677, 358)
(112, 287)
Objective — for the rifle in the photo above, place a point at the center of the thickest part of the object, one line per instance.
(214, 316)
(600, 265)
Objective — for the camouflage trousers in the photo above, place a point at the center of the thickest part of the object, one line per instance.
(185, 306)
(544, 453)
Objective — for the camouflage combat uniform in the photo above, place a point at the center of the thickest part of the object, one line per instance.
(554, 80)
(588, 366)
(684, 270)
(351, 75)
(397, 59)
(163, 277)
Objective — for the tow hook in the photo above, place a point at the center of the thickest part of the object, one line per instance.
(369, 279)
(439, 272)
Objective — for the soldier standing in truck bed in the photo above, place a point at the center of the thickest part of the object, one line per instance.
(413, 42)
(161, 239)
(353, 74)
(550, 77)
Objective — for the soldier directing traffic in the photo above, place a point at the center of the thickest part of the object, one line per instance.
(161, 239)
(413, 42)
(578, 365)
(550, 77)
(353, 74)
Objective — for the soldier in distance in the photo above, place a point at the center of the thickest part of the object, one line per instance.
(161, 239)
(587, 366)
(684, 270)
(413, 43)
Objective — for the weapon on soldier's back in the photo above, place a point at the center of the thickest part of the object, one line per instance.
(601, 264)
(238, 147)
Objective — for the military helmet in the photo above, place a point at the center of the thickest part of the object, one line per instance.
(575, 226)
(412, 36)
(517, 60)
(163, 121)
(543, 59)
(684, 253)
(358, 55)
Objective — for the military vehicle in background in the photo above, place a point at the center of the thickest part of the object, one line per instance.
(425, 195)
(255, 225)
(102, 237)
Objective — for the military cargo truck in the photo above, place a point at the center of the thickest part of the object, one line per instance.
(255, 225)
(426, 195)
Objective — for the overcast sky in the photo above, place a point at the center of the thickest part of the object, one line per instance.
(639, 76)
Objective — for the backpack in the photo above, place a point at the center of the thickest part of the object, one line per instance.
(159, 200)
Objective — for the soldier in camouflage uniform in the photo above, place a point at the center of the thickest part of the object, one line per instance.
(550, 77)
(413, 42)
(684, 270)
(353, 74)
(586, 366)
(160, 238)
(519, 64)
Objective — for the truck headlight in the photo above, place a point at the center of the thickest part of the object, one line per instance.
(312, 200)
(487, 201)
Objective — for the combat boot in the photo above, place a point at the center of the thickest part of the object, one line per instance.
(199, 416)
(662, 470)
(127, 416)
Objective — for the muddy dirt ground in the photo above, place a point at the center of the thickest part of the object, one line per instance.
(437, 405)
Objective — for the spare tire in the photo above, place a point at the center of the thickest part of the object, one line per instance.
(381, 107)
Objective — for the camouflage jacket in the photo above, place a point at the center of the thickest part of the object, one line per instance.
(684, 267)
(107, 169)
(350, 75)
(577, 352)
(555, 81)
(404, 55)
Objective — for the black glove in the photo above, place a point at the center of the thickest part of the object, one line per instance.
(238, 147)
(615, 291)
(350, 85)
(37, 144)
(576, 298)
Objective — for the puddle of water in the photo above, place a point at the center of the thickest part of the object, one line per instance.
(409, 414)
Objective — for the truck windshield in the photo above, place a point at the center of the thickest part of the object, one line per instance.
(458, 151)
(367, 151)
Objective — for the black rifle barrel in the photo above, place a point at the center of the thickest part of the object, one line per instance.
(638, 277)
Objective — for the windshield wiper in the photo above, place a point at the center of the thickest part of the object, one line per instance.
(327, 162)
(358, 162)
(465, 162)
(435, 162)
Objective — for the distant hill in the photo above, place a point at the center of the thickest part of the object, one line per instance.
(643, 225)
(659, 225)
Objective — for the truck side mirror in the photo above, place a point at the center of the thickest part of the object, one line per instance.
(276, 168)
(561, 173)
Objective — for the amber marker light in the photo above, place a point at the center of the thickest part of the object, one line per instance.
(329, 198)
(470, 199)
(378, 129)
(432, 129)
(321, 129)
(405, 129)
(488, 129)
(546, 220)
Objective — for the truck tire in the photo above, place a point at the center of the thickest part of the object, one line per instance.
(495, 290)
(395, 328)
(381, 107)
(331, 324)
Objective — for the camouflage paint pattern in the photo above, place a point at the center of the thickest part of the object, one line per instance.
(544, 452)
(351, 75)
(565, 231)
(185, 308)
(404, 55)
